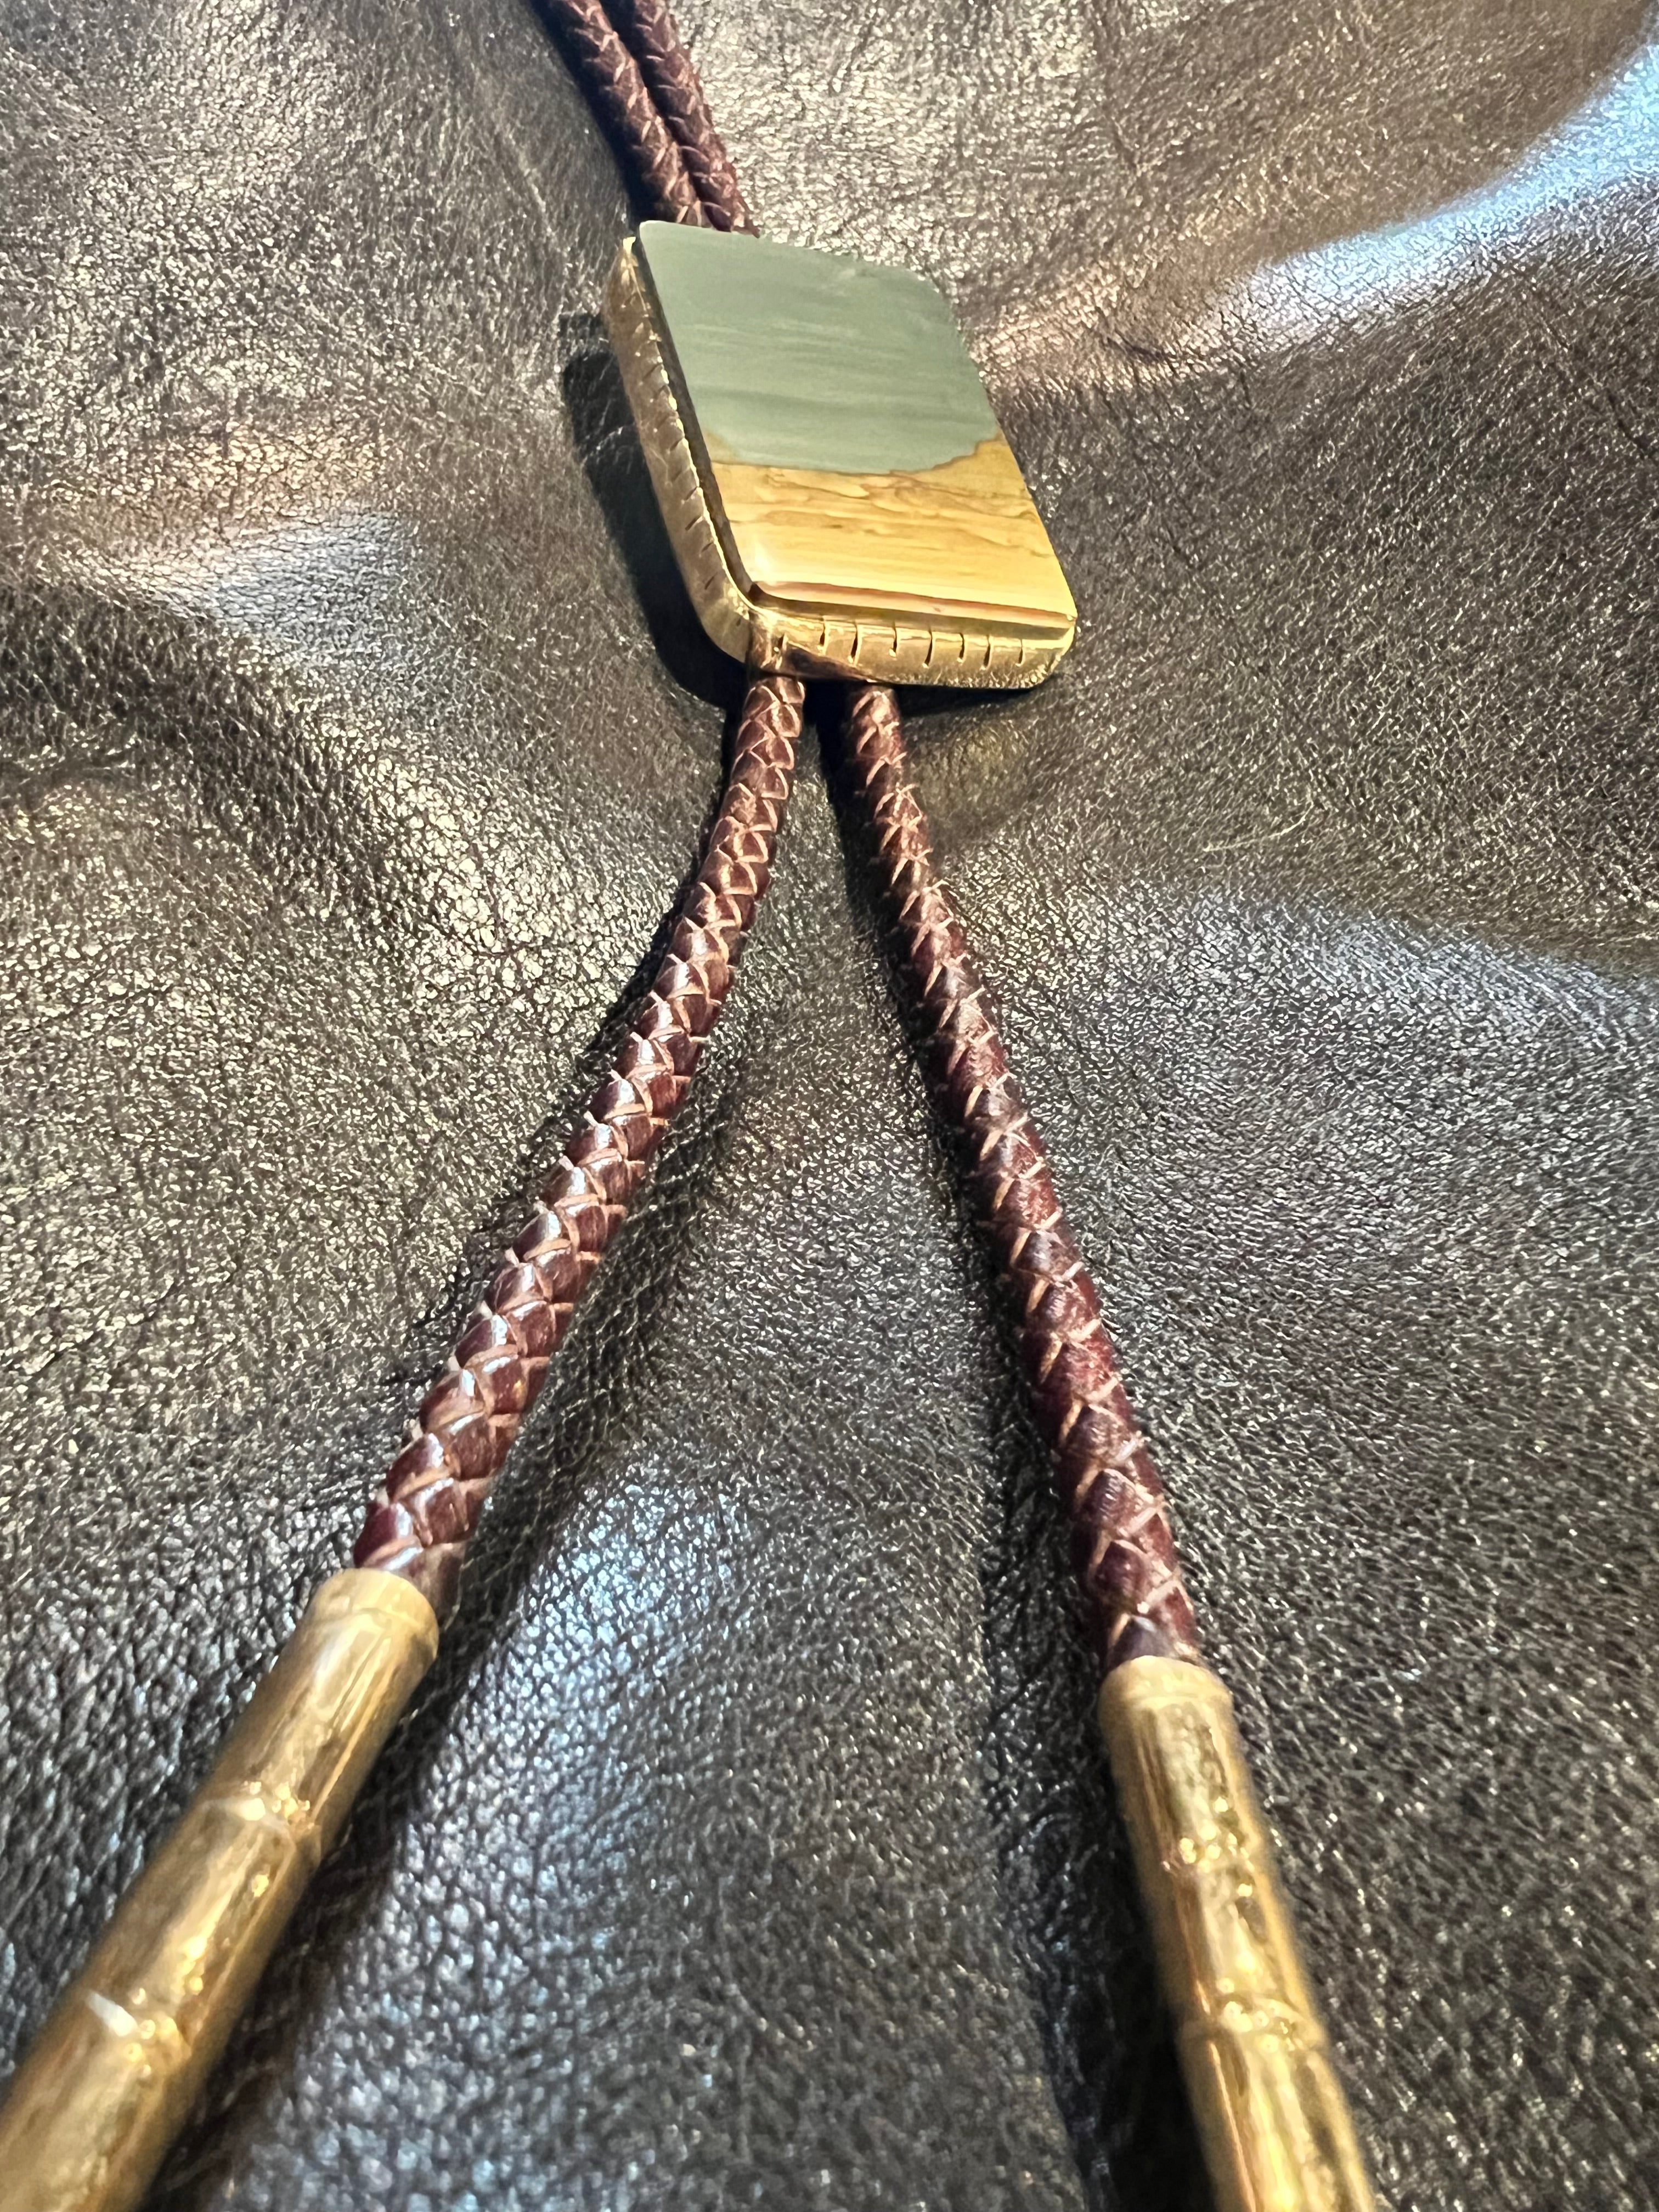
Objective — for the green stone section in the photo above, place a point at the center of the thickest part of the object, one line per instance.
(798, 359)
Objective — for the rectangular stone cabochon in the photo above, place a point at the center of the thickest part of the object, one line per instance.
(855, 463)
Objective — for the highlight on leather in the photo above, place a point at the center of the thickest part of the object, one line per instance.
(422, 1518)
(1125, 1550)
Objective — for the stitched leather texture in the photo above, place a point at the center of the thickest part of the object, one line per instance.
(751, 1844)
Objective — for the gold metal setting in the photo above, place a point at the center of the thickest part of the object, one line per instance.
(1275, 2126)
(879, 649)
(117, 2065)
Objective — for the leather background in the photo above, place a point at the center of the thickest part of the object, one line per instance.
(751, 1845)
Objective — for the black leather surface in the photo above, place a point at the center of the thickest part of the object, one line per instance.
(752, 1845)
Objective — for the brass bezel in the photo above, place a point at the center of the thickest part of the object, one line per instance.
(769, 634)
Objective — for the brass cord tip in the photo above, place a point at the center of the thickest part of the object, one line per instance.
(1271, 2113)
(118, 2064)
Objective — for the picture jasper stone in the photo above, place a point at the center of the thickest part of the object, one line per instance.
(847, 462)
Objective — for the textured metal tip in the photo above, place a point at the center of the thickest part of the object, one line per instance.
(1274, 2124)
(118, 2064)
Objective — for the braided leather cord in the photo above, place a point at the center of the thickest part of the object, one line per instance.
(612, 78)
(1134, 1596)
(673, 82)
(423, 1518)
(1125, 1552)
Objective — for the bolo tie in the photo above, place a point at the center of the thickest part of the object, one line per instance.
(843, 508)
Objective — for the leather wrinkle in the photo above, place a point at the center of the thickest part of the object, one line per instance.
(1314, 891)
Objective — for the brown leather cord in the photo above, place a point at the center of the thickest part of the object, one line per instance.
(423, 1516)
(1135, 1597)
(612, 79)
(1125, 1550)
(673, 82)
(1109, 1487)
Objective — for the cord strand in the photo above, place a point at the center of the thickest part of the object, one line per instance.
(1123, 1546)
(425, 1513)
(423, 1518)
(671, 79)
(616, 86)
(1134, 1596)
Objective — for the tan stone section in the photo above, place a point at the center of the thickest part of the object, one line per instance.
(963, 539)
